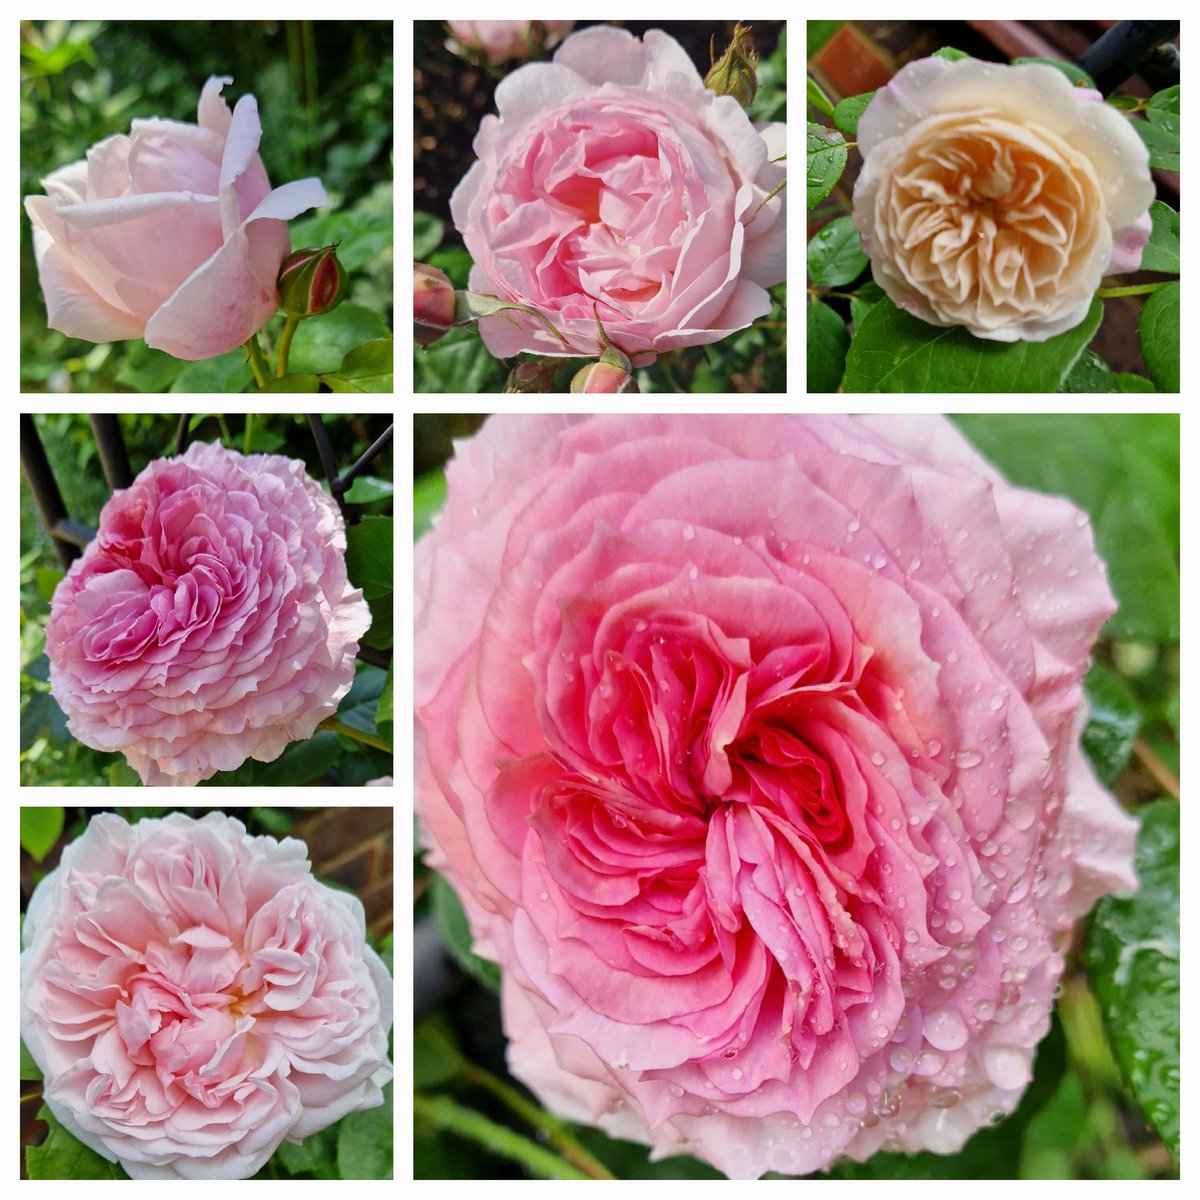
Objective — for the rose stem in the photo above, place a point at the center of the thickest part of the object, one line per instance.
(256, 360)
(285, 344)
(445, 1113)
(1158, 770)
(1136, 289)
(367, 739)
(556, 1132)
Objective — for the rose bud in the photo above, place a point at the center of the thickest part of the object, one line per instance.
(311, 281)
(532, 375)
(433, 304)
(734, 74)
(613, 372)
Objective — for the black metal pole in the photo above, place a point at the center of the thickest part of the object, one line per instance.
(1118, 54)
(375, 450)
(325, 453)
(114, 458)
(63, 532)
(181, 432)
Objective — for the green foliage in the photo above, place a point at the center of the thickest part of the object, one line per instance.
(1092, 374)
(819, 32)
(40, 830)
(828, 342)
(369, 563)
(322, 343)
(1162, 250)
(835, 254)
(366, 368)
(452, 921)
(847, 112)
(1158, 335)
(364, 1142)
(1123, 470)
(62, 1156)
(1075, 74)
(950, 54)
(1132, 957)
(827, 155)
(818, 99)
(1160, 129)
(29, 1069)
(895, 352)
(1113, 722)
(429, 498)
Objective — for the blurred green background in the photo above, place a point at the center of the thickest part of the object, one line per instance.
(324, 91)
(1104, 1102)
(49, 754)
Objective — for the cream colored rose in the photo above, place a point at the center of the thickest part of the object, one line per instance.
(997, 197)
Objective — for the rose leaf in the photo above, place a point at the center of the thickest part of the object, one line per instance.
(818, 99)
(29, 1069)
(950, 54)
(1162, 250)
(321, 343)
(428, 231)
(40, 829)
(1132, 960)
(364, 1144)
(1113, 722)
(63, 1156)
(366, 368)
(1092, 374)
(1158, 334)
(452, 922)
(828, 341)
(835, 254)
(429, 498)
(896, 352)
(369, 564)
(847, 112)
(827, 156)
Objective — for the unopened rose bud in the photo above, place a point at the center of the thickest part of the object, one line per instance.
(604, 377)
(311, 281)
(433, 304)
(734, 73)
(532, 375)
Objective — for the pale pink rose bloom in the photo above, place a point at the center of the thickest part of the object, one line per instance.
(170, 233)
(211, 620)
(997, 197)
(614, 184)
(194, 997)
(501, 41)
(751, 745)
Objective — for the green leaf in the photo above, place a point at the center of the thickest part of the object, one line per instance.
(1075, 74)
(1132, 960)
(458, 363)
(818, 99)
(828, 341)
(452, 921)
(29, 1069)
(34, 716)
(367, 489)
(367, 368)
(827, 156)
(1092, 374)
(436, 1058)
(292, 383)
(40, 830)
(847, 112)
(1160, 129)
(1125, 103)
(1162, 250)
(950, 54)
(385, 714)
(121, 774)
(301, 763)
(1158, 335)
(1166, 101)
(1122, 469)
(273, 820)
(63, 1156)
(429, 498)
(895, 352)
(428, 232)
(364, 1144)
(455, 262)
(835, 254)
(369, 563)
(865, 299)
(322, 343)
(1113, 722)
(147, 370)
(47, 579)
(226, 373)
(316, 1156)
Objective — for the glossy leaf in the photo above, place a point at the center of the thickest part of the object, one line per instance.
(366, 368)
(63, 1156)
(1162, 250)
(368, 489)
(1092, 374)
(429, 498)
(1113, 722)
(835, 254)
(369, 563)
(818, 99)
(896, 352)
(452, 921)
(827, 156)
(321, 343)
(1132, 959)
(847, 112)
(1160, 129)
(828, 341)
(40, 829)
(1158, 335)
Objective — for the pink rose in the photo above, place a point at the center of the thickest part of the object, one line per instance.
(751, 745)
(194, 996)
(211, 620)
(503, 40)
(614, 184)
(171, 234)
